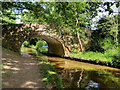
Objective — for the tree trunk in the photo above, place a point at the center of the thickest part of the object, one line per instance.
(78, 37)
(80, 42)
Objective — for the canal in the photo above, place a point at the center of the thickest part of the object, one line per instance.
(76, 74)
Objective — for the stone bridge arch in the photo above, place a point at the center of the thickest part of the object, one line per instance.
(55, 47)
(14, 35)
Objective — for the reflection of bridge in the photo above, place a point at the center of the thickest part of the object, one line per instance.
(14, 35)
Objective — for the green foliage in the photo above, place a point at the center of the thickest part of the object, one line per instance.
(51, 77)
(89, 55)
(75, 51)
(106, 43)
(40, 44)
(114, 54)
(25, 44)
(106, 38)
(60, 14)
(36, 44)
(114, 51)
(7, 13)
(33, 41)
(10, 12)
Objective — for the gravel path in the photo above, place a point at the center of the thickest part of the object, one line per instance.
(22, 72)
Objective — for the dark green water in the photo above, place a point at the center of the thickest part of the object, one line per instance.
(82, 75)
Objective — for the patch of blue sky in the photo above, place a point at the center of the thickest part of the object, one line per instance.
(19, 16)
(101, 14)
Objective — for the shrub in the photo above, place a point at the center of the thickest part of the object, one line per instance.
(114, 54)
(40, 44)
(25, 44)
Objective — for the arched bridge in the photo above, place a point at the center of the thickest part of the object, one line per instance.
(15, 34)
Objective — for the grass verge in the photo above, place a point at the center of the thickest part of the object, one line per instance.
(49, 72)
(91, 56)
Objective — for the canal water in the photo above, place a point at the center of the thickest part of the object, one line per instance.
(76, 74)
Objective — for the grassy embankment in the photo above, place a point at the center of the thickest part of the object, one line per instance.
(91, 56)
(110, 57)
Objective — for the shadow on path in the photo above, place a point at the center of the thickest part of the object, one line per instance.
(22, 72)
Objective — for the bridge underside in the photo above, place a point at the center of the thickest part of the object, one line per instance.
(54, 47)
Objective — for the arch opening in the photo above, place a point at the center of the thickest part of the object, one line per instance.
(34, 44)
(45, 44)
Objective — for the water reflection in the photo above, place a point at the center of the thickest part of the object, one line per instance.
(82, 75)
(90, 79)
(92, 84)
(25, 54)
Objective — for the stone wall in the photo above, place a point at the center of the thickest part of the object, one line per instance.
(13, 36)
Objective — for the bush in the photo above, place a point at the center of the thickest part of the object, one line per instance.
(75, 51)
(25, 44)
(106, 43)
(40, 44)
(114, 53)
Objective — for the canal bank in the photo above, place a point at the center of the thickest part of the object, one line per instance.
(72, 73)
(76, 74)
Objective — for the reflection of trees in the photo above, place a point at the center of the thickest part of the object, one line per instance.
(105, 79)
(110, 80)
(67, 77)
(78, 83)
(81, 79)
(72, 78)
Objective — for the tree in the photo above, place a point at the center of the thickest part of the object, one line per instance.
(74, 15)
(7, 13)
(109, 27)
(34, 13)
(106, 38)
